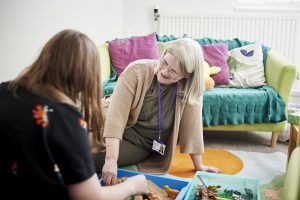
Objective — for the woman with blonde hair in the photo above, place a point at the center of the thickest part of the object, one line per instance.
(154, 106)
(45, 153)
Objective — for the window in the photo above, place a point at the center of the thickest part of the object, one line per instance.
(267, 5)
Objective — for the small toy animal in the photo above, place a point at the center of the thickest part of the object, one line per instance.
(170, 192)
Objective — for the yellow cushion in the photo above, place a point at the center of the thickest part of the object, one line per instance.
(104, 61)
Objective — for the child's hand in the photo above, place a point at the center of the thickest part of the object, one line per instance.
(139, 184)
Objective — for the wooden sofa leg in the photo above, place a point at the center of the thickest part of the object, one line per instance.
(274, 139)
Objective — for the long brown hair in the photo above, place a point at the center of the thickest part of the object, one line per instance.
(69, 67)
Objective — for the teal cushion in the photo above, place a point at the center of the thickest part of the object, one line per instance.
(167, 38)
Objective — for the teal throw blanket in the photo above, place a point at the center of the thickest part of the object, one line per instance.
(222, 106)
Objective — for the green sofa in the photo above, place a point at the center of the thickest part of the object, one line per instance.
(280, 74)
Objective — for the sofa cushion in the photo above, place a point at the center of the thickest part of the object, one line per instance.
(246, 66)
(109, 85)
(104, 62)
(223, 106)
(122, 52)
(217, 55)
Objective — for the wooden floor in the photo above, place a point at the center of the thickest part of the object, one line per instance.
(243, 141)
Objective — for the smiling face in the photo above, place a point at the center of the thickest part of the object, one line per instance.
(169, 71)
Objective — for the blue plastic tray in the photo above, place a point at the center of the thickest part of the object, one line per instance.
(174, 183)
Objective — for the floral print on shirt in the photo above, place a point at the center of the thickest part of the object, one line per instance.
(40, 114)
(14, 167)
(82, 123)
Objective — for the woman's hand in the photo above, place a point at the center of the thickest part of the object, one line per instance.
(109, 172)
(197, 161)
(205, 168)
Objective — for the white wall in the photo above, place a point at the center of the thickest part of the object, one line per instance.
(138, 14)
(27, 25)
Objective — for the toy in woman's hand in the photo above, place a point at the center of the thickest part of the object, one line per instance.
(208, 71)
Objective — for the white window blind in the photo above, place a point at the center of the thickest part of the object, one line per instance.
(267, 5)
(291, 7)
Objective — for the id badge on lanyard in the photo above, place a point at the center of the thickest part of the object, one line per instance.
(158, 145)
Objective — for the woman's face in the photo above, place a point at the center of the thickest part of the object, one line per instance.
(169, 71)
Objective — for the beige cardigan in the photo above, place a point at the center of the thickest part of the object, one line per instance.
(125, 105)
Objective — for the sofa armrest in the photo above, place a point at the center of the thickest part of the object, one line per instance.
(280, 74)
(104, 62)
(291, 186)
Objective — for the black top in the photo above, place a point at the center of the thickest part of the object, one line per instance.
(37, 135)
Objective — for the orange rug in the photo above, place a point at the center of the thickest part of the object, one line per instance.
(227, 162)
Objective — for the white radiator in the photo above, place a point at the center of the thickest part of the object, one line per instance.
(279, 33)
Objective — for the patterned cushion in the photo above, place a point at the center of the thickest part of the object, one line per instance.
(246, 66)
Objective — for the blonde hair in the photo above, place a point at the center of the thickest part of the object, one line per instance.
(190, 57)
(68, 64)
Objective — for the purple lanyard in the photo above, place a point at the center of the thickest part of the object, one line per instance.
(160, 116)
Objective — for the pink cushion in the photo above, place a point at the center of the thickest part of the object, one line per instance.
(216, 55)
(123, 52)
